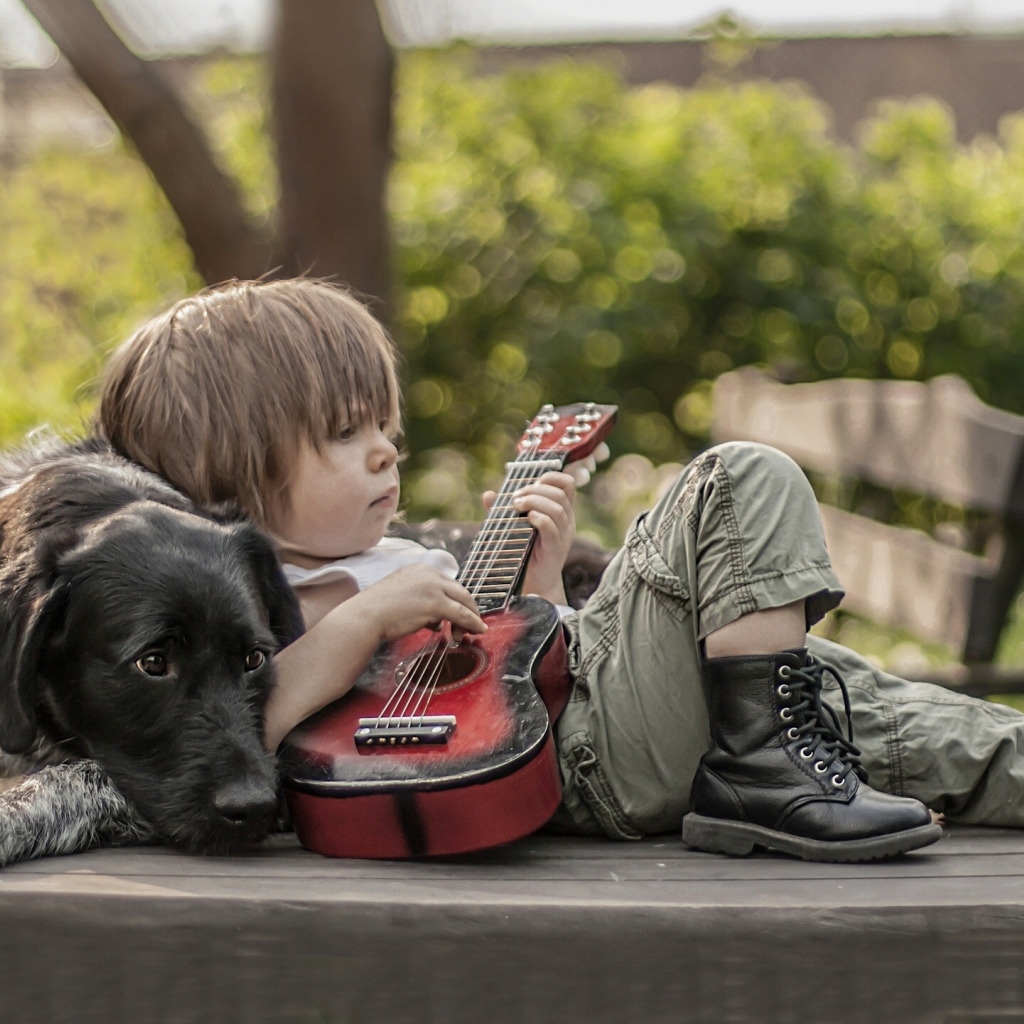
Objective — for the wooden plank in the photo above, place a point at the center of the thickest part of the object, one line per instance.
(979, 679)
(540, 868)
(548, 929)
(937, 439)
(904, 578)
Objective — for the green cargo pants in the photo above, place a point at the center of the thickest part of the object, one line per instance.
(739, 531)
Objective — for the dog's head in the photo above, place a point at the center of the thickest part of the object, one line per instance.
(145, 638)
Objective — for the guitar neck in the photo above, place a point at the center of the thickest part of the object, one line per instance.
(495, 563)
(555, 436)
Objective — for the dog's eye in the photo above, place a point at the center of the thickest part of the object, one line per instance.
(152, 664)
(254, 660)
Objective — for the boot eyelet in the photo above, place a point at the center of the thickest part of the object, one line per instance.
(786, 714)
(785, 671)
(783, 690)
(792, 733)
(820, 767)
(807, 753)
(838, 780)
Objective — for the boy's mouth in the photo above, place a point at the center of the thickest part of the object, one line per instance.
(389, 497)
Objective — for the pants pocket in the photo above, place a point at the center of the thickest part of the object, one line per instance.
(592, 786)
(650, 564)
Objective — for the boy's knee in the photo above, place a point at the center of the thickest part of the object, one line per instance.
(745, 461)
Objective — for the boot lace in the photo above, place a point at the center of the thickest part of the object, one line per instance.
(813, 723)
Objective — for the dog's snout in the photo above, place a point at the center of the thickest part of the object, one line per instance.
(245, 802)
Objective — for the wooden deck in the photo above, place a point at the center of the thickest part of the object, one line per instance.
(548, 929)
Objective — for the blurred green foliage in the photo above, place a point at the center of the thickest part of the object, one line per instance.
(559, 235)
(89, 246)
(579, 238)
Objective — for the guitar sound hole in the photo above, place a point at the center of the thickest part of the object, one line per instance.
(443, 670)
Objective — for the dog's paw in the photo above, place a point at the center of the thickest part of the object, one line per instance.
(66, 808)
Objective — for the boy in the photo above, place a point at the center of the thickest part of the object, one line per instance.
(283, 397)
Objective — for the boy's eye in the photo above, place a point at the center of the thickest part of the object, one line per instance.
(345, 434)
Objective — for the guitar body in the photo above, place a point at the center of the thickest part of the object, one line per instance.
(493, 780)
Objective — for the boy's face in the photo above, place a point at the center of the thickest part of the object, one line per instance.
(337, 502)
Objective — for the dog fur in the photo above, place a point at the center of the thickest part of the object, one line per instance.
(136, 642)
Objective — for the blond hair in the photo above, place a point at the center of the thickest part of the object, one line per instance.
(217, 393)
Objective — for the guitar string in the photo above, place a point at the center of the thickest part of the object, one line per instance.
(427, 659)
(498, 526)
(430, 660)
(503, 522)
(427, 690)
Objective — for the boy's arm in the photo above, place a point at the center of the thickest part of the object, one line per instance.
(325, 662)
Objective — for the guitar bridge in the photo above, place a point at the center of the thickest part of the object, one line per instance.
(417, 730)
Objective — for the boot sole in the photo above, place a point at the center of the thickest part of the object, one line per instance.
(738, 838)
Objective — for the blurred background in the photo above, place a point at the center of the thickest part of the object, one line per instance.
(560, 201)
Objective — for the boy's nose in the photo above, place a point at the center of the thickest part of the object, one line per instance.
(384, 453)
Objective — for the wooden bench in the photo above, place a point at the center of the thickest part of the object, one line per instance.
(868, 440)
(548, 930)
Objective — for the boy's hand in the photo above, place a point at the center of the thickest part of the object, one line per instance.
(416, 596)
(548, 505)
(582, 471)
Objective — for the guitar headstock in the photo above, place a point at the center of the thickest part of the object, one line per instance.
(568, 432)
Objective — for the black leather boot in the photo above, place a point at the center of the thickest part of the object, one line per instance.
(781, 775)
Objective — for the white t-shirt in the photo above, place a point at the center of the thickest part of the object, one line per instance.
(372, 565)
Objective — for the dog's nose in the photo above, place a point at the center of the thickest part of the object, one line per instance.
(244, 802)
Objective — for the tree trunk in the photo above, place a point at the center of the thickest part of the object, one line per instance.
(148, 112)
(332, 75)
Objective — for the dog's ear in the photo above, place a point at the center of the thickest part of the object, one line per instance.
(27, 620)
(282, 605)
(225, 512)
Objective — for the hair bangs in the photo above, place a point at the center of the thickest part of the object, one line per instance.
(368, 392)
(350, 373)
(217, 393)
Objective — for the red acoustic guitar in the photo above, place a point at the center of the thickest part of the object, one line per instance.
(442, 747)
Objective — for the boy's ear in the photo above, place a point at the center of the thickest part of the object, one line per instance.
(28, 618)
(279, 599)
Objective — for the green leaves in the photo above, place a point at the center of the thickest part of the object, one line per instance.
(90, 248)
(594, 240)
(560, 235)
(630, 244)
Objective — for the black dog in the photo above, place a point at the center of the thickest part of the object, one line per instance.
(136, 643)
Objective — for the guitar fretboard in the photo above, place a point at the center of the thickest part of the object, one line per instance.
(495, 561)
